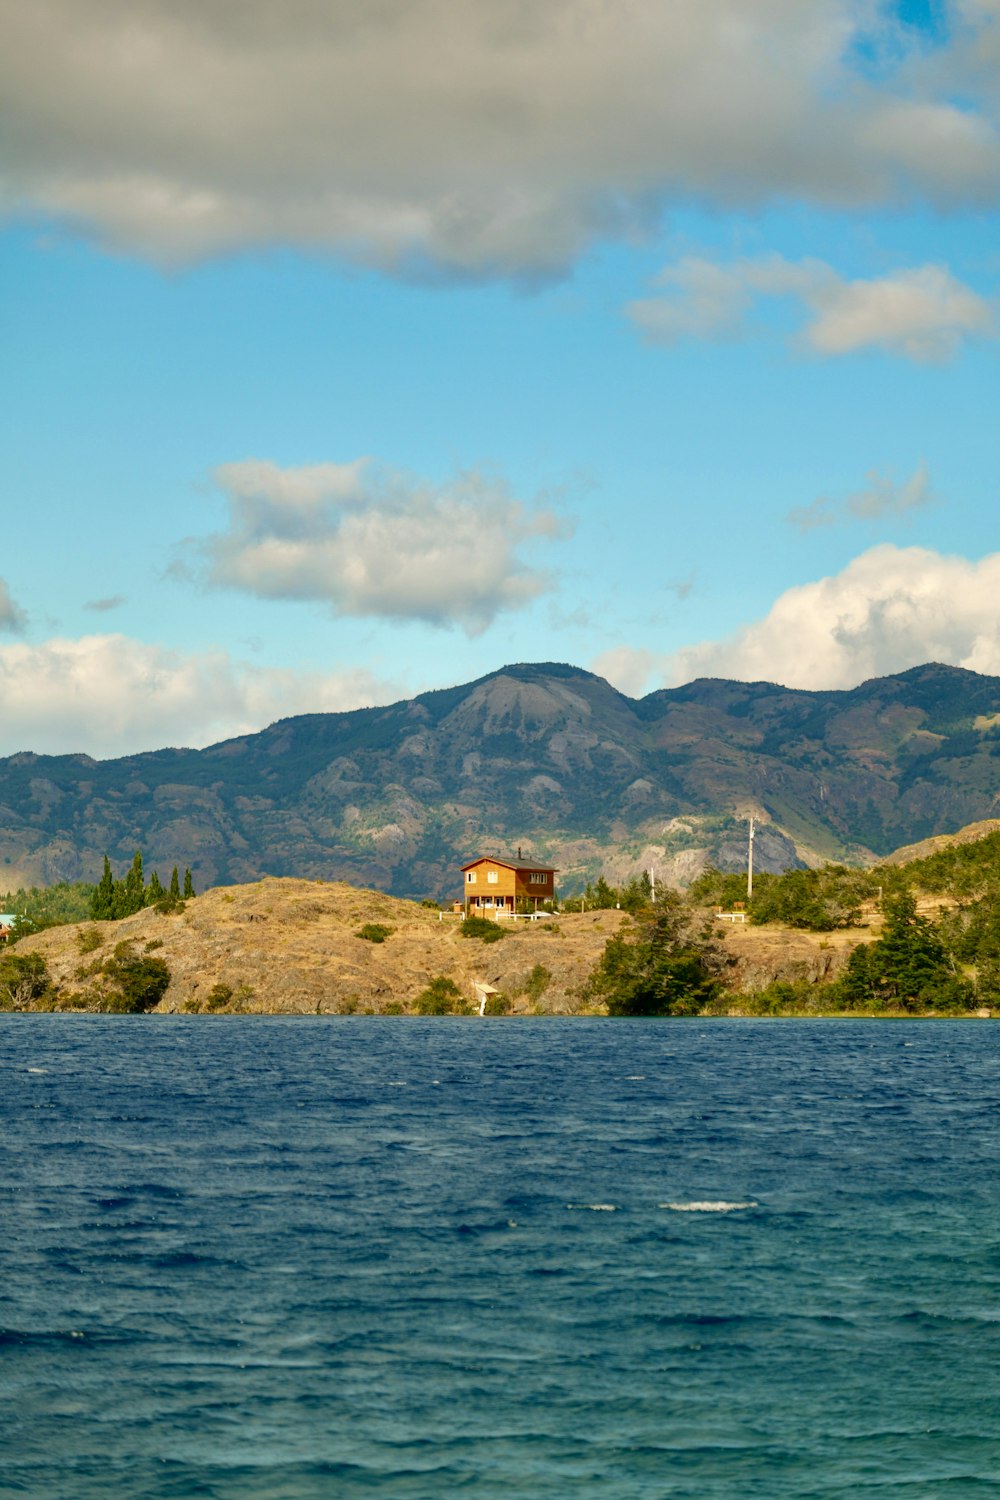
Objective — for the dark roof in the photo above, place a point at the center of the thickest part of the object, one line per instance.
(511, 864)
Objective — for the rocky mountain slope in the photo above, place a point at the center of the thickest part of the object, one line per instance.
(548, 757)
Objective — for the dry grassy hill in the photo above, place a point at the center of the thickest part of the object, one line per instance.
(283, 945)
(291, 945)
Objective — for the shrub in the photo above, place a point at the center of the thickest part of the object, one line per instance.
(442, 997)
(374, 932)
(537, 982)
(139, 983)
(482, 928)
(88, 939)
(24, 980)
(218, 997)
(170, 906)
(497, 1005)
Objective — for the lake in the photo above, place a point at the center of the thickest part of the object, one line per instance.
(269, 1258)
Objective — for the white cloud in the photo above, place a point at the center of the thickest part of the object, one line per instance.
(922, 313)
(12, 617)
(109, 695)
(373, 542)
(890, 609)
(881, 497)
(482, 136)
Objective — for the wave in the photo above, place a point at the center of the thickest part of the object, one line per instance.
(707, 1206)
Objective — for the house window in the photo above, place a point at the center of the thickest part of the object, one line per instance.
(470, 877)
(493, 877)
(537, 877)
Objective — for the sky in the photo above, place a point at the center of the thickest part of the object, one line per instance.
(351, 351)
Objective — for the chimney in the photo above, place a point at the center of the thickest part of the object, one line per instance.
(519, 851)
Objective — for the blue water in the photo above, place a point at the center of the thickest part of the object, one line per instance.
(278, 1259)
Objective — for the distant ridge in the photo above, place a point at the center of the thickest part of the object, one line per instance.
(547, 756)
(971, 834)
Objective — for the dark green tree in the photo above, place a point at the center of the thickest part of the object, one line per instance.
(134, 888)
(102, 903)
(660, 968)
(175, 885)
(188, 885)
(154, 890)
(908, 965)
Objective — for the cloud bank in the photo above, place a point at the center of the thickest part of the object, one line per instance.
(109, 695)
(923, 313)
(890, 609)
(485, 137)
(369, 541)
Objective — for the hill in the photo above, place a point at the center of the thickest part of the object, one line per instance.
(548, 757)
(282, 945)
(296, 946)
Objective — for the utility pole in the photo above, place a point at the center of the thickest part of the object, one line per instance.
(750, 863)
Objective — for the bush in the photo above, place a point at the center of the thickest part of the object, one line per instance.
(374, 932)
(88, 939)
(442, 997)
(497, 1005)
(537, 982)
(482, 928)
(24, 980)
(139, 983)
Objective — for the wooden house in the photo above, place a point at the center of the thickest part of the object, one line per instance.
(495, 885)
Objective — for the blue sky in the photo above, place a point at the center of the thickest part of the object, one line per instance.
(343, 360)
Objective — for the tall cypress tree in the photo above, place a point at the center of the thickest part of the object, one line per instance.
(188, 885)
(175, 885)
(135, 889)
(102, 902)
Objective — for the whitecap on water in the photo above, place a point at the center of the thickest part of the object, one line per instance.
(707, 1207)
(597, 1208)
(37, 1070)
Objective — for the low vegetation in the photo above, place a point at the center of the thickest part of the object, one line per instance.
(442, 997)
(375, 932)
(482, 928)
(38, 907)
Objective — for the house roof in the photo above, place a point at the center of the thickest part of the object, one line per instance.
(510, 864)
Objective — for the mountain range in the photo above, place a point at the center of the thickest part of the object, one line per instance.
(547, 758)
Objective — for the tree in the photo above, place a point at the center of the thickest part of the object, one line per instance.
(102, 904)
(907, 965)
(188, 885)
(133, 890)
(175, 885)
(154, 890)
(657, 969)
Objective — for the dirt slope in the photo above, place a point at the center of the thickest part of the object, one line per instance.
(292, 945)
